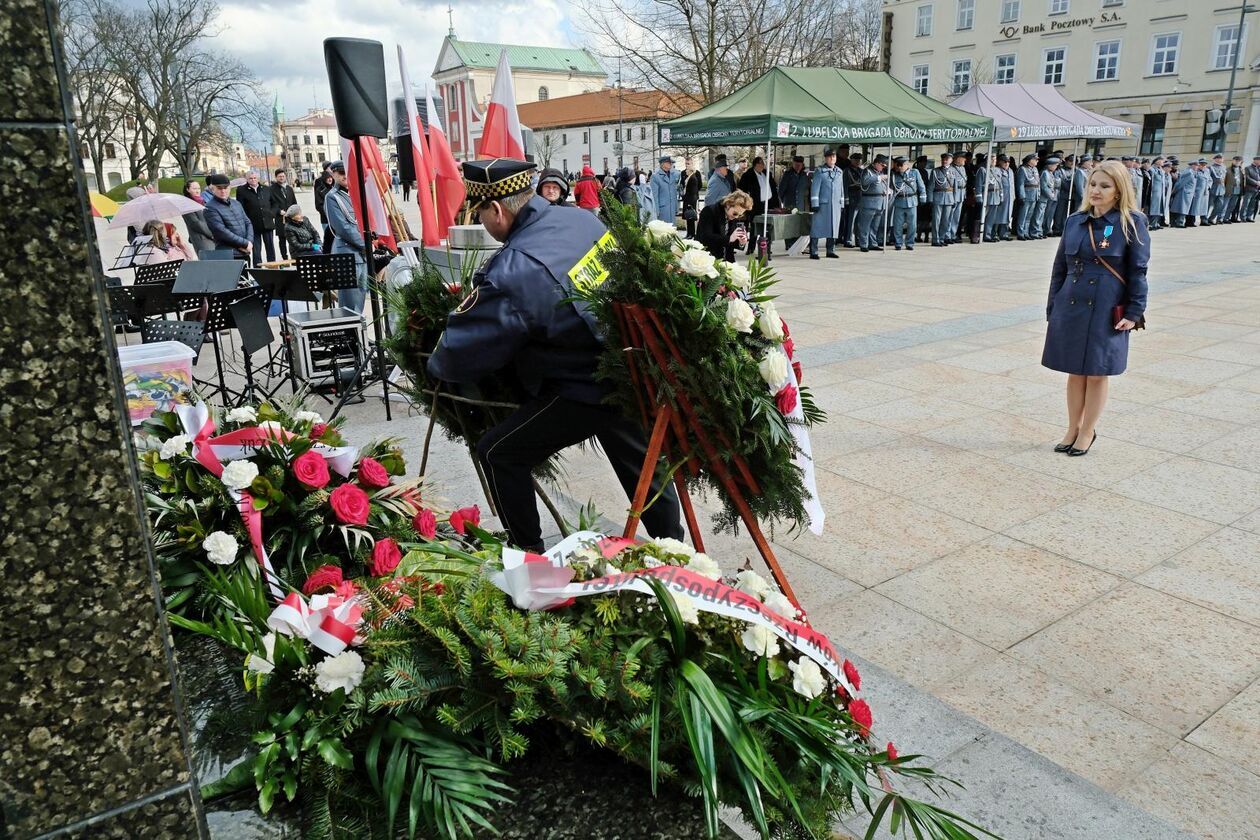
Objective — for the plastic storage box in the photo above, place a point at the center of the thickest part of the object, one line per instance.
(155, 376)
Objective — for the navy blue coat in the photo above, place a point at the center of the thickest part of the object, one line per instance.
(228, 223)
(1081, 337)
(518, 313)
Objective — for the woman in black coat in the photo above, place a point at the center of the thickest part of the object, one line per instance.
(720, 227)
(1101, 265)
(690, 198)
(300, 233)
(752, 182)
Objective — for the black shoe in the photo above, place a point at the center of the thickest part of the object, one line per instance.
(875, 248)
(1073, 452)
(833, 256)
(1064, 447)
(898, 247)
(864, 250)
(909, 247)
(815, 256)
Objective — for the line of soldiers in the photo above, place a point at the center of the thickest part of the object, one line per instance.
(867, 207)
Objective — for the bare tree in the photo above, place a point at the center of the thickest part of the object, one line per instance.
(548, 143)
(99, 94)
(212, 94)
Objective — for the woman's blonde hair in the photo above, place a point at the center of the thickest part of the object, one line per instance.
(1126, 201)
(740, 198)
(157, 230)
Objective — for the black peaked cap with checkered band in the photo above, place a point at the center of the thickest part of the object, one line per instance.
(491, 180)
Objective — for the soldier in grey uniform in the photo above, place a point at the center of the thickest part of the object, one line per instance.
(1047, 199)
(1028, 185)
(1181, 201)
(1251, 189)
(991, 189)
(870, 216)
(1202, 193)
(943, 196)
(959, 172)
(826, 199)
(1233, 190)
(1159, 187)
(1068, 194)
(908, 192)
(1218, 199)
(1135, 177)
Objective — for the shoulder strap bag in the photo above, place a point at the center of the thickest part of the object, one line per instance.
(1117, 311)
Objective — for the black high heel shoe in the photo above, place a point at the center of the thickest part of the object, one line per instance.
(1076, 453)
(1064, 447)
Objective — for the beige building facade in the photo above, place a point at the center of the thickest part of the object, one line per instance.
(1163, 65)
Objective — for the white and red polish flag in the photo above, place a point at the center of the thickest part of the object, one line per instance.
(377, 179)
(429, 232)
(448, 178)
(501, 128)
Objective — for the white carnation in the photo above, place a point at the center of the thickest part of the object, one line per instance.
(659, 230)
(669, 545)
(778, 602)
(264, 664)
(769, 323)
(703, 564)
(773, 368)
(760, 640)
(244, 414)
(807, 678)
(752, 583)
(687, 609)
(221, 547)
(738, 276)
(698, 263)
(345, 670)
(307, 417)
(739, 315)
(238, 475)
(171, 447)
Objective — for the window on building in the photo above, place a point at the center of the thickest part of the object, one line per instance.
(306, 139)
(109, 151)
(616, 135)
(130, 122)
(1164, 50)
(543, 93)
(1004, 69)
(319, 139)
(919, 78)
(1010, 11)
(586, 137)
(1053, 61)
(966, 14)
(321, 157)
(1213, 142)
(1152, 134)
(605, 135)
(564, 139)
(309, 157)
(605, 164)
(1095, 147)
(564, 166)
(293, 140)
(923, 21)
(961, 76)
(1059, 7)
(1107, 3)
(643, 132)
(1106, 61)
(1225, 47)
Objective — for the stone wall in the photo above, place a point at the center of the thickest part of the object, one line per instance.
(92, 740)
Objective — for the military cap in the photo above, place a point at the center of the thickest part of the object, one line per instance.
(899, 159)
(946, 155)
(1126, 158)
(798, 159)
(1085, 158)
(962, 153)
(880, 159)
(1167, 163)
(1029, 157)
(828, 152)
(1003, 157)
(1202, 161)
(337, 166)
(1217, 155)
(1071, 158)
(1238, 157)
(489, 180)
(1052, 160)
(666, 159)
(1255, 157)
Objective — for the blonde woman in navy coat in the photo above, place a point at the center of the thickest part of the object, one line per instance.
(1082, 339)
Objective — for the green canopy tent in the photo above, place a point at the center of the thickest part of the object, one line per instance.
(824, 105)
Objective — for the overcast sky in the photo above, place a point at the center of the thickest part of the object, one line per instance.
(282, 41)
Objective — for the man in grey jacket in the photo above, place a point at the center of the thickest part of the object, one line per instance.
(346, 236)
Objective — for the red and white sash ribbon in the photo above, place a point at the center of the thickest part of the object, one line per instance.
(328, 622)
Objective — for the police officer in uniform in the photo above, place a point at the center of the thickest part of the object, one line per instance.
(519, 316)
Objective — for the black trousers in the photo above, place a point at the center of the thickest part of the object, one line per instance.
(328, 234)
(542, 427)
(281, 239)
(263, 238)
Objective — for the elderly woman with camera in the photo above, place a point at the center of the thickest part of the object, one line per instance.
(721, 227)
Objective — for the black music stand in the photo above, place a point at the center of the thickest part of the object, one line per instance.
(284, 285)
(249, 316)
(134, 253)
(216, 283)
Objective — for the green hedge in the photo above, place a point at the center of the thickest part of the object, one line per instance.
(166, 185)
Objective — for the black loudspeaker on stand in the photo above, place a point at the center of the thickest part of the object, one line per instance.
(356, 77)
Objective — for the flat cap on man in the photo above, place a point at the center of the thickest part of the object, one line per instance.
(490, 180)
(218, 180)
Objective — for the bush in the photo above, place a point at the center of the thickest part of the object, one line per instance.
(166, 185)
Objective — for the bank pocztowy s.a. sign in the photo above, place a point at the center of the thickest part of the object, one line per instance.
(1060, 25)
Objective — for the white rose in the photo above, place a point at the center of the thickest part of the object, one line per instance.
(773, 368)
(683, 245)
(778, 602)
(307, 417)
(238, 475)
(659, 230)
(244, 414)
(752, 583)
(738, 276)
(739, 316)
(220, 547)
(698, 263)
(703, 564)
(687, 609)
(263, 664)
(668, 545)
(171, 447)
(807, 678)
(769, 323)
(760, 640)
(345, 670)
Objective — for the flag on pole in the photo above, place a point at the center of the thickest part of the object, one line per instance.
(375, 176)
(501, 128)
(448, 178)
(429, 232)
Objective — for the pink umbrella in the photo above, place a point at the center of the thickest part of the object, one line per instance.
(236, 182)
(161, 206)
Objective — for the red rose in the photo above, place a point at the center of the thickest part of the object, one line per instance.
(425, 524)
(892, 752)
(311, 470)
(861, 714)
(852, 675)
(800, 376)
(372, 475)
(463, 517)
(349, 505)
(385, 557)
(317, 430)
(786, 399)
(325, 577)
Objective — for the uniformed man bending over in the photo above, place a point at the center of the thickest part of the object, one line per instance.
(517, 316)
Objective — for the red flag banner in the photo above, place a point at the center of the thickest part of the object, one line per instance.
(501, 130)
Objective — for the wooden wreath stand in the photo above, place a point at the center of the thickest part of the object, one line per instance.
(647, 343)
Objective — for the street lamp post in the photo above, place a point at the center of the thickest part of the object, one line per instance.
(1243, 11)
